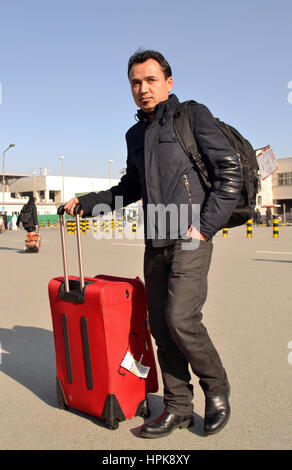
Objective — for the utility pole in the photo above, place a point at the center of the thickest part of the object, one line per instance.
(3, 175)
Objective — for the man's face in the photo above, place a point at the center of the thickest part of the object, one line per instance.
(149, 85)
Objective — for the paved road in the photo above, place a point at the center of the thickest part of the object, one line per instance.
(248, 315)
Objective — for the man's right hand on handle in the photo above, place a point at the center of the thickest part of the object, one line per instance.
(70, 205)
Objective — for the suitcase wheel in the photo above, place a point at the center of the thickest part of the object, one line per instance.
(144, 409)
(112, 424)
(60, 396)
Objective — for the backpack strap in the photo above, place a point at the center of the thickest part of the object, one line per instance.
(187, 140)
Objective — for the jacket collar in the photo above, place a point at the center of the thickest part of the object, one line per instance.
(161, 110)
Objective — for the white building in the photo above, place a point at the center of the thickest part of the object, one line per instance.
(276, 191)
(49, 191)
(282, 188)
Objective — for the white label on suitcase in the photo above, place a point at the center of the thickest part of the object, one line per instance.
(134, 366)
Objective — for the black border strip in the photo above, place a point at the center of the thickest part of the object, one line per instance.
(86, 352)
(67, 348)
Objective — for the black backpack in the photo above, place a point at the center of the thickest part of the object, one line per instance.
(245, 208)
(26, 216)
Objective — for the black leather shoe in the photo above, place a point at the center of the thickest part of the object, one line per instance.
(217, 412)
(164, 425)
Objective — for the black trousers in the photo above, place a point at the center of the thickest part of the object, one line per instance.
(30, 229)
(176, 286)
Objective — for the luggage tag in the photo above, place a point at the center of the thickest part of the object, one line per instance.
(134, 366)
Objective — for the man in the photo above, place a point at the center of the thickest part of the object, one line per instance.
(159, 172)
(5, 219)
(28, 216)
(269, 217)
(1, 223)
(258, 217)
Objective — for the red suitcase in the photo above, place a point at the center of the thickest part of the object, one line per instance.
(97, 321)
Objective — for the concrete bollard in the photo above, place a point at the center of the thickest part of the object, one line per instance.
(69, 226)
(275, 226)
(94, 226)
(83, 227)
(249, 228)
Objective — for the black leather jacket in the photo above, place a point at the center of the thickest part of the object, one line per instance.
(159, 172)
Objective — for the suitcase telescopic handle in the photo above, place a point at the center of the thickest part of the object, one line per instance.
(61, 213)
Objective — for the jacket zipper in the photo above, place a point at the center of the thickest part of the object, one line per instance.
(187, 186)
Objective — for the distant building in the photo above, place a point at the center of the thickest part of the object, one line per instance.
(48, 190)
(282, 188)
(276, 190)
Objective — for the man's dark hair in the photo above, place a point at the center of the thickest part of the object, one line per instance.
(141, 56)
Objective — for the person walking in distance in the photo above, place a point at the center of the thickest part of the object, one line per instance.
(28, 216)
(1, 223)
(5, 219)
(268, 217)
(258, 217)
(159, 172)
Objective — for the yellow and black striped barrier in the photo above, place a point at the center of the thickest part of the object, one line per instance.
(94, 226)
(134, 227)
(68, 226)
(83, 227)
(55, 223)
(42, 223)
(48, 223)
(225, 232)
(249, 228)
(275, 226)
(120, 227)
(71, 226)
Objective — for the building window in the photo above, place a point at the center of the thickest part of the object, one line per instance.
(285, 179)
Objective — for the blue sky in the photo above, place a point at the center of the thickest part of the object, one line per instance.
(63, 74)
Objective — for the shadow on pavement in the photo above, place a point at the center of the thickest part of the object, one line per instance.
(6, 248)
(10, 249)
(273, 260)
(30, 360)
